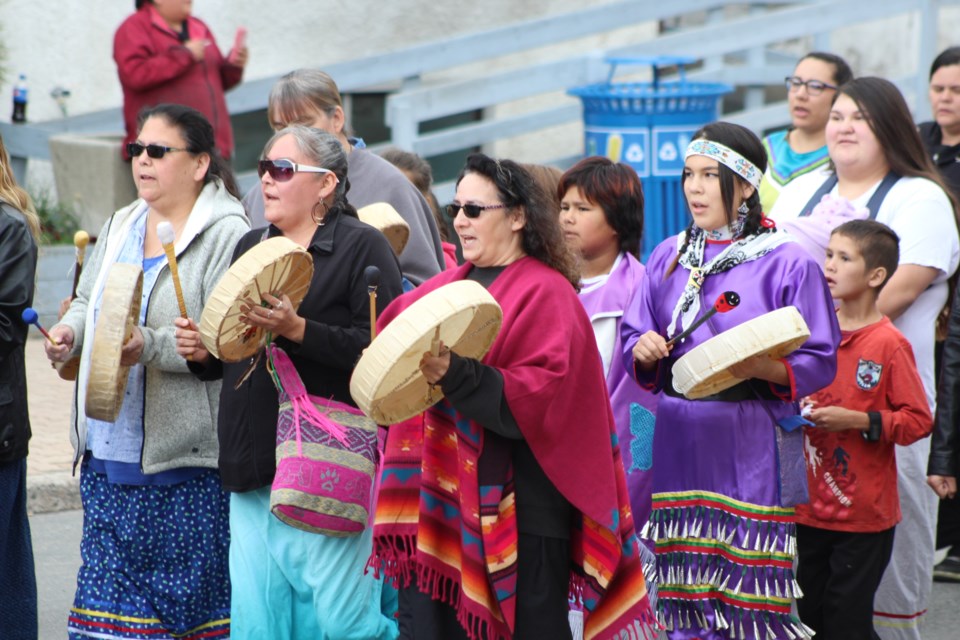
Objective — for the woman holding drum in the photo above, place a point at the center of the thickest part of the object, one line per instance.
(289, 583)
(729, 466)
(155, 528)
(310, 97)
(490, 501)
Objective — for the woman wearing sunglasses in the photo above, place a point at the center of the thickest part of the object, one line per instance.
(289, 583)
(802, 147)
(155, 531)
(310, 97)
(520, 456)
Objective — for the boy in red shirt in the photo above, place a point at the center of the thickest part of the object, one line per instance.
(845, 533)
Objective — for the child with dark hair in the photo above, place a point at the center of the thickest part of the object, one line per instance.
(601, 212)
(845, 534)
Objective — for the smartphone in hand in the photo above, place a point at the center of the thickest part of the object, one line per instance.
(239, 42)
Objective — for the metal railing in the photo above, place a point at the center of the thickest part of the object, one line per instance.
(419, 98)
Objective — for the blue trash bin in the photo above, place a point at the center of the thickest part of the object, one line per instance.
(648, 125)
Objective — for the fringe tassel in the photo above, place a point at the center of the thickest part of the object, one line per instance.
(393, 555)
(735, 622)
(576, 623)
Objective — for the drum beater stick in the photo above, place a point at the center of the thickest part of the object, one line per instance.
(725, 302)
(80, 240)
(30, 316)
(167, 238)
(371, 275)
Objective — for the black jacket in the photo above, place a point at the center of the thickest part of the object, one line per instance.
(947, 159)
(18, 267)
(337, 310)
(944, 449)
(945, 440)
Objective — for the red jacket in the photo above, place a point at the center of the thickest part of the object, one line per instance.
(853, 483)
(154, 67)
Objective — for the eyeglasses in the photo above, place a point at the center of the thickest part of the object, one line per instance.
(155, 151)
(471, 210)
(282, 169)
(814, 87)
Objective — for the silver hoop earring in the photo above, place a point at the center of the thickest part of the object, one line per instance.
(313, 213)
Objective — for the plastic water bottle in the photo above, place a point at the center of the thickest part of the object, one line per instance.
(20, 100)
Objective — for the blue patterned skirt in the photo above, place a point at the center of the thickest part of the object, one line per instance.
(154, 560)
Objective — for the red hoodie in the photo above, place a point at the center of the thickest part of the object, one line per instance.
(853, 483)
(154, 67)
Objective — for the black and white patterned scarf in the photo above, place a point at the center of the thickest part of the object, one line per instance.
(739, 251)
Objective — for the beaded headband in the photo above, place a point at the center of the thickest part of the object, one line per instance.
(727, 157)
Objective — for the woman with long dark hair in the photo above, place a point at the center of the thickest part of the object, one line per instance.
(727, 468)
(155, 526)
(880, 169)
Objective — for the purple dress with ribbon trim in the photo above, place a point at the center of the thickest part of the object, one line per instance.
(634, 406)
(726, 476)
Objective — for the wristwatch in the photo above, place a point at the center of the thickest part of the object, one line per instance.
(876, 427)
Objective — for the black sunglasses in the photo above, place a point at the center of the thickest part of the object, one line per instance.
(155, 151)
(282, 169)
(471, 210)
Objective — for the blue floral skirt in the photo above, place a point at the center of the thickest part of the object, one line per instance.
(154, 560)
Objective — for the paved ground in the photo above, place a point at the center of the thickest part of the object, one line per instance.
(50, 484)
(57, 535)
(56, 543)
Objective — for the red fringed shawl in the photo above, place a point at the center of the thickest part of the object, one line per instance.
(435, 521)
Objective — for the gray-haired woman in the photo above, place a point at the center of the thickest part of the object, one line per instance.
(310, 97)
(289, 583)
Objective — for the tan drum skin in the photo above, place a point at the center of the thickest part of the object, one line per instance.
(276, 266)
(387, 384)
(703, 370)
(119, 314)
(382, 216)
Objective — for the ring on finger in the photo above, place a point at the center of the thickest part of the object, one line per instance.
(270, 313)
(279, 305)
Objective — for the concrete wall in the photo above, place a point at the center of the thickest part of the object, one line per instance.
(71, 43)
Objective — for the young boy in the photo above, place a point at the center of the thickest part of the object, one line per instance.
(845, 533)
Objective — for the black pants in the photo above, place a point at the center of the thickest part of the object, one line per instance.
(543, 581)
(839, 573)
(18, 583)
(948, 526)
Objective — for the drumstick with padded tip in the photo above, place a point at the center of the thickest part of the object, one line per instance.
(167, 238)
(30, 316)
(80, 240)
(371, 275)
(725, 302)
